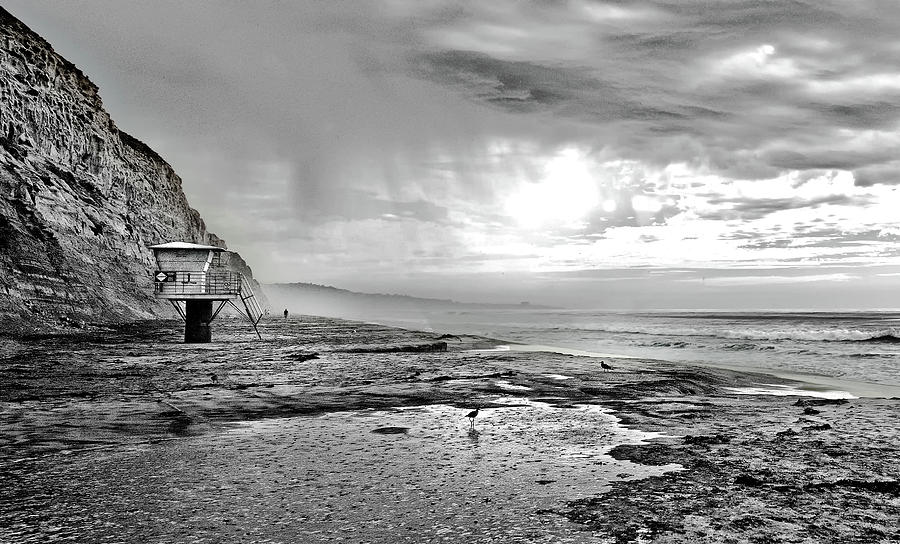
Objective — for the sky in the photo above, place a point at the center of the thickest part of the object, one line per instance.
(582, 153)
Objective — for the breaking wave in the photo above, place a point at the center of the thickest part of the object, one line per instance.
(883, 339)
(885, 336)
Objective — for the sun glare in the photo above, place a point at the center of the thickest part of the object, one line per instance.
(562, 197)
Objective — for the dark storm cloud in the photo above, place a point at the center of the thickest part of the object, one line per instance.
(519, 86)
(879, 114)
(731, 77)
(529, 87)
(653, 76)
(755, 208)
(824, 236)
(728, 18)
(828, 159)
(887, 174)
(661, 44)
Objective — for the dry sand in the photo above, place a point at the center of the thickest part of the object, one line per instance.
(331, 431)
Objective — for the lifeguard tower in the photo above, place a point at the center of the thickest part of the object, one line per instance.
(192, 277)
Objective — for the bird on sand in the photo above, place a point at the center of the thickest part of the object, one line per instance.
(472, 415)
(605, 366)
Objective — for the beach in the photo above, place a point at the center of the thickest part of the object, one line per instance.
(331, 430)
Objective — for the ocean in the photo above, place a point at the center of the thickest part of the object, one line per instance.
(860, 347)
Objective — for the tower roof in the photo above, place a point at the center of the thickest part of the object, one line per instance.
(186, 245)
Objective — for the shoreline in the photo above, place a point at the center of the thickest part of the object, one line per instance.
(334, 390)
(807, 382)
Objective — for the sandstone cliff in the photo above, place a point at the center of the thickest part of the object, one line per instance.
(80, 200)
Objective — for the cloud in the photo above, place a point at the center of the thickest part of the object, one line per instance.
(525, 87)
(741, 75)
(758, 208)
(839, 159)
(776, 279)
(886, 174)
(518, 86)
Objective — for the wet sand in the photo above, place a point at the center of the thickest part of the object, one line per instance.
(333, 431)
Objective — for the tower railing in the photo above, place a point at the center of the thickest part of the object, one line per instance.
(181, 282)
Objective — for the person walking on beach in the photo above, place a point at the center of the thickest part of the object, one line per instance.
(285, 313)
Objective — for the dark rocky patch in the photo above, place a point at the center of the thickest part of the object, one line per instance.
(819, 427)
(748, 480)
(417, 348)
(645, 454)
(787, 433)
(390, 430)
(820, 402)
(303, 356)
(891, 487)
(707, 440)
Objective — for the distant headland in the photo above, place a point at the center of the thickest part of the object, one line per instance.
(325, 300)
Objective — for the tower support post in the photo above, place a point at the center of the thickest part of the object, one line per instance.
(197, 316)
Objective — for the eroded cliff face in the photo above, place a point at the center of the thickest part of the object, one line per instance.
(80, 200)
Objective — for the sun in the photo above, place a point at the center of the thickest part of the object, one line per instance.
(562, 197)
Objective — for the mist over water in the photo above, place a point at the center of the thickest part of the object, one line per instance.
(863, 346)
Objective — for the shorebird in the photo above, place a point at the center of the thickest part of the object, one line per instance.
(472, 415)
(605, 366)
